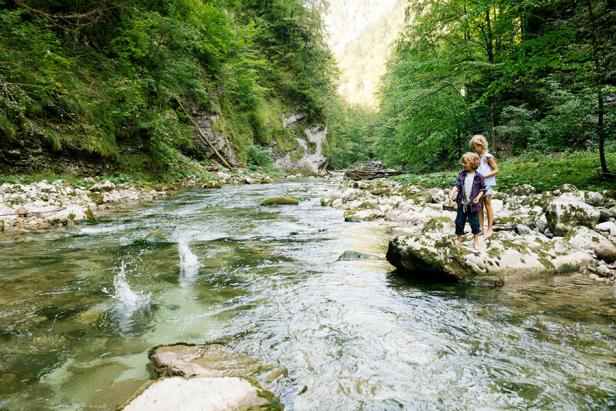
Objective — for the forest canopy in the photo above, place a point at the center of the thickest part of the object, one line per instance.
(535, 76)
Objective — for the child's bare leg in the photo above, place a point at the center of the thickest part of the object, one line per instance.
(476, 242)
(459, 239)
(481, 219)
(490, 213)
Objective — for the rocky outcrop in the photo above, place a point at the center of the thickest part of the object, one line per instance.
(308, 157)
(206, 377)
(504, 257)
(42, 204)
(207, 138)
(536, 234)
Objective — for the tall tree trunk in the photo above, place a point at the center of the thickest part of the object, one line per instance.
(598, 86)
(490, 52)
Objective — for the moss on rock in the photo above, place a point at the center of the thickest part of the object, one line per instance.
(283, 200)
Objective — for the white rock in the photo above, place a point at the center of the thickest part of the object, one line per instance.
(567, 212)
(583, 238)
(197, 394)
(103, 186)
(607, 227)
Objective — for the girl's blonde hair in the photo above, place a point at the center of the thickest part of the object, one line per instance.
(472, 158)
(478, 140)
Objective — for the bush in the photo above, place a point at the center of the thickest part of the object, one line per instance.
(259, 157)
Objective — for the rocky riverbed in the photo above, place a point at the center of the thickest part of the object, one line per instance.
(44, 204)
(537, 234)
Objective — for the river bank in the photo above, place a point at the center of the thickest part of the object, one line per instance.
(59, 203)
(537, 234)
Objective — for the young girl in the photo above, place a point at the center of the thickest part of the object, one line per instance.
(489, 170)
(468, 191)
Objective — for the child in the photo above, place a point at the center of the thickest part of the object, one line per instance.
(468, 191)
(489, 170)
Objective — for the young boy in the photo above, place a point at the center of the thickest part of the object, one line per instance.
(468, 192)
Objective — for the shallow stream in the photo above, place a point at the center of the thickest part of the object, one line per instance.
(80, 308)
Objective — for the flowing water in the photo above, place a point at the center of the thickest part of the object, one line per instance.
(80, 308)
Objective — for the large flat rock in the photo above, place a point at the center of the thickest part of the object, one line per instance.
(506, 256)
(197, 394)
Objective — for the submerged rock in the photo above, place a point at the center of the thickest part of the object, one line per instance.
(284, 200)
(355, 256)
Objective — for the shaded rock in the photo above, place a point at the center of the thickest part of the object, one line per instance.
(523, 229)
(586, 239)
(198, 394)
(566, 212)
(542, 223)
(284, 200)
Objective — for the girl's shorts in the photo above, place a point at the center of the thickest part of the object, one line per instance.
(489, 191)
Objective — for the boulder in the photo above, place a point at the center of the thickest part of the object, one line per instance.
(205, 377)
(608, 227)
(506, 256)
(523, 229)
(585, 239)
(523, 190)
(210, 360)
(350, 255)
(368, 214)
(198, 394)
(103, 186)
(276, 201)
(566, 212)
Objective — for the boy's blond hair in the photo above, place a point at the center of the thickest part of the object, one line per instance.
(472, 158)
(478, 140)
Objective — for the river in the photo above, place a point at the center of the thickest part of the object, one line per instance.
(81, 307)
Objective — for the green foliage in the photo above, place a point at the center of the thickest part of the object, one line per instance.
(527, 74)
(259, 157)
(542, 172)
(348, 139)
(112, 81)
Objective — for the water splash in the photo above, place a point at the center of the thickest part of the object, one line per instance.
(128, 301)
(189, 263)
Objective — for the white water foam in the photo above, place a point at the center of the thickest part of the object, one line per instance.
(189, 263)
(128, 302)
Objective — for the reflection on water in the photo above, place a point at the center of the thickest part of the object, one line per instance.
(80, 308)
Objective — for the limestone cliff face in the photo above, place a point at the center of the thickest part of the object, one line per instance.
(360, 33)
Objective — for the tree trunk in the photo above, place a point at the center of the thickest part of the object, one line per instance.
(598, 86)
(490, 53)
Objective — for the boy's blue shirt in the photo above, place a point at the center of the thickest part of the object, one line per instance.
(479, 185)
